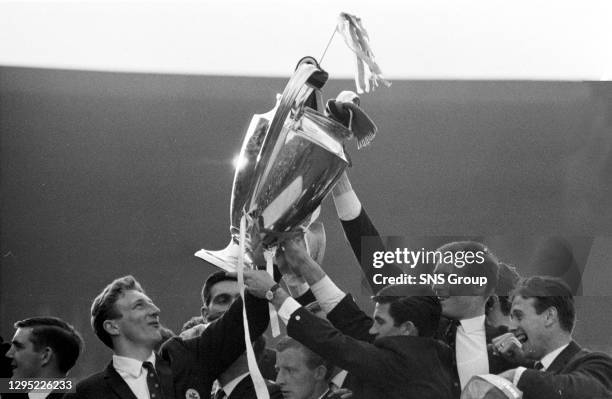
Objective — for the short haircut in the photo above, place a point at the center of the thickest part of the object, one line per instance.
(213, 279)
(56, 334)
(423, 311)
(489, 268)
(103, 307)
(550, 292)
(313, 360)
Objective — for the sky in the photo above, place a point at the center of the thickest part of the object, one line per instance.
(432, 39)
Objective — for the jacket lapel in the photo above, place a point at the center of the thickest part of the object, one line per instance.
(117, 384)
(564, 357)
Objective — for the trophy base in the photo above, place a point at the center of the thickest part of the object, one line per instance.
(225, 259)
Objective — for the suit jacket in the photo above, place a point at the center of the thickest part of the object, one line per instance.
(246, 390)
(575, 373)
(390, 367)
(188, 366)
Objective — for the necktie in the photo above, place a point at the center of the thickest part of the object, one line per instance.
(220, 394)
(538, 365)
(155, 391)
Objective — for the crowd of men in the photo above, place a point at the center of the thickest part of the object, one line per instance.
(421, 341)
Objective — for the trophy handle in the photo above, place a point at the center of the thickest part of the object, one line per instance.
(308, 77)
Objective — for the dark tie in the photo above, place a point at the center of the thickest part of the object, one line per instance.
(155, 391)
(451, 333)
(538, 365)
(220, 394)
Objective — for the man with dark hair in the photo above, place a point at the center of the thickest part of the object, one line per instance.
(218, 293)
(393, 356)
(44, 347)
(544, 314)
(127, 321)
(302, 374)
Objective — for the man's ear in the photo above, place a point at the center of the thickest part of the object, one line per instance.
(408, 328)
(320, 372)
(46, 354)
(111, 327)
(551, 315)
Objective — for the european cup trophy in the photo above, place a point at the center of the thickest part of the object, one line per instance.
(290, 159)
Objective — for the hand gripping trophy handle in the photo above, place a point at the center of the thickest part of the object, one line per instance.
(290, 159)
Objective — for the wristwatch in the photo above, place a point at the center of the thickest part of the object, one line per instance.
(271, 291)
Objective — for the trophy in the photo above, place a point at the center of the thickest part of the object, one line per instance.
(290, 159)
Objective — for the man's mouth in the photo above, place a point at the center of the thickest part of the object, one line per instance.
(521, 336)
(154, 324)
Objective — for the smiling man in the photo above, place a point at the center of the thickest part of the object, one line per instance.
(44, 347)
(126, 320)
(544, 315)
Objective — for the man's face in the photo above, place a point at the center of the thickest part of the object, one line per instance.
(26, 360)
(530, 326)
(139, 322)
(295, 379)
(456, 299)
(384, 325)
(222, 295)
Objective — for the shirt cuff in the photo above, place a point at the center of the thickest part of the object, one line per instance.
(517, 375)
(347, 205)
(287, 308)
(327, 293)
(296, 286)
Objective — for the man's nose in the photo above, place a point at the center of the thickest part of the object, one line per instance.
(373, 330)
(280, 377)
(11, 352)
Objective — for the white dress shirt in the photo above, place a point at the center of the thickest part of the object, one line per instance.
(546, 362)
(471, 349)
(327, 293)
(134, 375)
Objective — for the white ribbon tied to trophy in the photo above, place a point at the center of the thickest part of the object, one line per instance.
(261, 390)
(357, 39)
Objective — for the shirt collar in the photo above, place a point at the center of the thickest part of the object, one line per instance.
(230, 386)
(550, 357)
(130, 366)
(473, 324)
(339, 378)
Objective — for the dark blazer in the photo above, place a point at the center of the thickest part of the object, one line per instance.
(189, 366)
(390, 367)
(246, 390)
(576, 373)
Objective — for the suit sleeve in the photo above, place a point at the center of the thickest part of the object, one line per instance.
(350, 320)
(363, 359)
(592, 378)
(359, 228)
(222, 342)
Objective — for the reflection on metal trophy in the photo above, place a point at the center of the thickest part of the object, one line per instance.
(290, 159)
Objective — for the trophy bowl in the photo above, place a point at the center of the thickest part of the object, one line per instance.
(290, 159)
